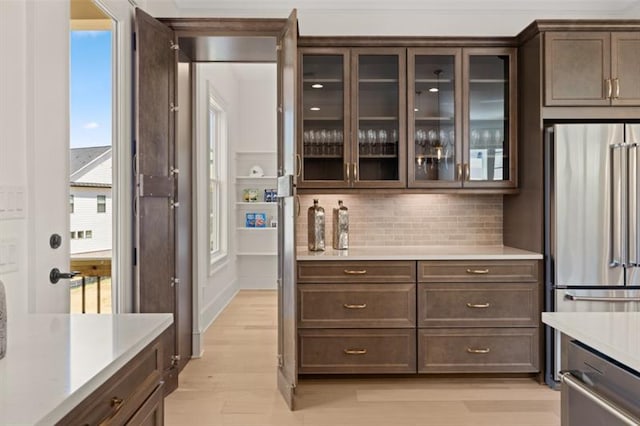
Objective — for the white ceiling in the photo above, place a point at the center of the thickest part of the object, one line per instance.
(402, 17)
(545, 6)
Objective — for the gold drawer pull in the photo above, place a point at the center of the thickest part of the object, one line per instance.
(478, 271)
(355, 351)
(478, 305)
(116, 402)
(351, 272)
(353, 306)
(479, 351)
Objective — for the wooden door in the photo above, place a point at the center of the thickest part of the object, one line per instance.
(287, 333)
(154, 183)
(625, 68)
(577, 68)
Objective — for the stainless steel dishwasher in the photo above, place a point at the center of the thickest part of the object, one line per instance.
(597, 391)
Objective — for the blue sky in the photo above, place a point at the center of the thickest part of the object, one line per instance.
(90, 88)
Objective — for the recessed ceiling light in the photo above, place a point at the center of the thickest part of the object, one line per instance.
(415, 109)
(317, 86)
(433, 89)
(314, 109)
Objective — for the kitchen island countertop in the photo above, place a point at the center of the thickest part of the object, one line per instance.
(419, 253)
(615, 334)
(55, 361)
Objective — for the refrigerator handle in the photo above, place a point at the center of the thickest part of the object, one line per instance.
(616, 249)
(632, 206)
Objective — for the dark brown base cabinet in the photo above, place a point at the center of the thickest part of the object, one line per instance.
(358, 351)
(357, 317)
(419, 317)
(132, 396)
(478, 350)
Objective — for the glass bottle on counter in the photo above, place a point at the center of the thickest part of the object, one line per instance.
(340, 227)
(315, 226)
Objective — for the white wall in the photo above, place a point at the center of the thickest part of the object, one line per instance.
(13, 143)
(258, 98)
(216, 284)
(85, 217)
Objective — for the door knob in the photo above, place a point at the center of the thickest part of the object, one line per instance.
(55, 275)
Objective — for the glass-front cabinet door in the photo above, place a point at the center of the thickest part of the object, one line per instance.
(378, 146)
(490, 111)
(434, 111)
(323, 137)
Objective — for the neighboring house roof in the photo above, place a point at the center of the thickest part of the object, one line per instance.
(80, 157)
(83, 160)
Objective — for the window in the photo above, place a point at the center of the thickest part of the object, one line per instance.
(102, 203)
(71, 204)
(88, 234)
(80, 235)
(216, 178)
(73, 235)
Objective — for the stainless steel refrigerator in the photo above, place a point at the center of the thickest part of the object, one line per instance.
(592, 222)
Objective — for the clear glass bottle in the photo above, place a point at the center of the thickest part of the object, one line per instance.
(340, 227)
(315, 227)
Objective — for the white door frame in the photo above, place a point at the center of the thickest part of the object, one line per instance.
(121, 13)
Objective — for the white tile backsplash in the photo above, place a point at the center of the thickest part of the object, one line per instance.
(411, 219)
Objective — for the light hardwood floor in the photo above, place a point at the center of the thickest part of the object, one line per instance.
(234, 383)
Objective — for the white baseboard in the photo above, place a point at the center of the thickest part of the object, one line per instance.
(245, 283)
(209, 315)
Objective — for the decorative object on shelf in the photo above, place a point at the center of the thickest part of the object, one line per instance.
(340, 227)
(315, 225)
(250, 195)
(3, 321)
(250, 220)
(261, 220)
(256, 171)
(270, 195)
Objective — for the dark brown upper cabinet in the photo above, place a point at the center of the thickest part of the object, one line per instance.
(462, 110)
(353, 118)
(592, 68)
(435, 117)
(324, 136)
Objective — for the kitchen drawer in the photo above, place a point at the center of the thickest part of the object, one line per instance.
(356, 272)
(478, 271)
(478, 350)
(478, 305)
(357, 305)
(121, 396)
(357, 351)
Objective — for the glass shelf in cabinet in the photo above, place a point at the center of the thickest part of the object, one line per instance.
(488, 80)
(382, 118)
(378, 80)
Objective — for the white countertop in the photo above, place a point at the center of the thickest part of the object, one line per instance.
(419, 253)
(54, 361)
(615, 334)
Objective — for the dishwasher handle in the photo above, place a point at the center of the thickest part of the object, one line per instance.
(573, 298)
(627, 418)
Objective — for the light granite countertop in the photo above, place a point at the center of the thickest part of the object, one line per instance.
(615, 334)
(419, 253)
(54, 361)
